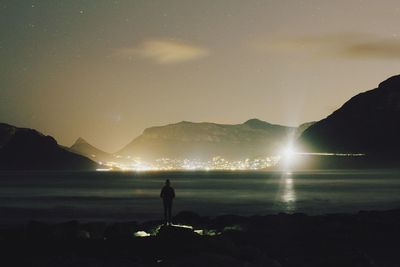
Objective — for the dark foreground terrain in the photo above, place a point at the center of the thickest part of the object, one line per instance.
(362, 239)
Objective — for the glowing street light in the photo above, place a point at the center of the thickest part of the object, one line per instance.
(288, 154)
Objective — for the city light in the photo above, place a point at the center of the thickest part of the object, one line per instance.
(169, 164)
(286, 158)
(288, 153)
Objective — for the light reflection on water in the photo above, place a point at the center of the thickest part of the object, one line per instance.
(288, 194)
(134, 196)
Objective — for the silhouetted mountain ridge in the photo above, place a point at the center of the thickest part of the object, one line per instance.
(205, 140)
(28, 149)
(256, 123)
(368, 123)
(82, 147)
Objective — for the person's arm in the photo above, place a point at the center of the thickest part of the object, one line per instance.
(173, 193)
(162, 193)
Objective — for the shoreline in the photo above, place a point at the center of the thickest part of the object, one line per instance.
(365, 238)
(144, 219)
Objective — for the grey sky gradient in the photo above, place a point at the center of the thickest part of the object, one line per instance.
(105, 70)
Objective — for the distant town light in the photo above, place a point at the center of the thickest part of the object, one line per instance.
(167, 164)
(288, 154)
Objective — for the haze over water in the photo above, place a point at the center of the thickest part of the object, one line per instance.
(54, 196)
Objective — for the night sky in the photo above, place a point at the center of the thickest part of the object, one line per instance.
(105, 70)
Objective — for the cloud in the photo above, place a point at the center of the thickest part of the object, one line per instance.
(163, 51)
(349, 45)
(389, 49)
(316, 41)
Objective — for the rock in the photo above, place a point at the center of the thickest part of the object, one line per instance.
(82, 234)
(96, 230)
(221, 222)
(188, 218)
(37, 230)
(208, 259)
(176, 233)
(65, 231)
(122, 230)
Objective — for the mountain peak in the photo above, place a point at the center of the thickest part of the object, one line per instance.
(256, 123)
(184, 123)
(28, 149)
(80, 140)
(368, 123)
(392, 82)
(84, 148)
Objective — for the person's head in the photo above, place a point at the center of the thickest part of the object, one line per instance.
(167, 183)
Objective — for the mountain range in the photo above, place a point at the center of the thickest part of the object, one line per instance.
(82, 147)
(368, 124)
(27, 149)
(189, 140)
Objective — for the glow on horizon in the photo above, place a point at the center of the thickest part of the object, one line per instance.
(110, 69)
(288, 157)
(167, 164)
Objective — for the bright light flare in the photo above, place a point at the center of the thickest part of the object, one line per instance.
(288, 154)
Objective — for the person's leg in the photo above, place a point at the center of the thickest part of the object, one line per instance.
(165, 212)
(170, 212)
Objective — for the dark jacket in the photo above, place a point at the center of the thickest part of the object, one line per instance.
(167, 193)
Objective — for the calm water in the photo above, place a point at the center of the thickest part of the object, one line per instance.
(135, 196)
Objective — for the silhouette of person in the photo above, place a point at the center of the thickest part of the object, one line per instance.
(167, 194)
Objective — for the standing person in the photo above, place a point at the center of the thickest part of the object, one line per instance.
(167, 194)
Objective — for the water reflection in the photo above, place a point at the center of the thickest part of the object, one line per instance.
(288, 193)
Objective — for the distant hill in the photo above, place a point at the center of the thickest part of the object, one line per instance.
(82, 147)
(27, 149)
(368, 123)
(302, 127)
(205, 140)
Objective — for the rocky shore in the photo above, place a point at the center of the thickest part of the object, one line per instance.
(368, 238)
